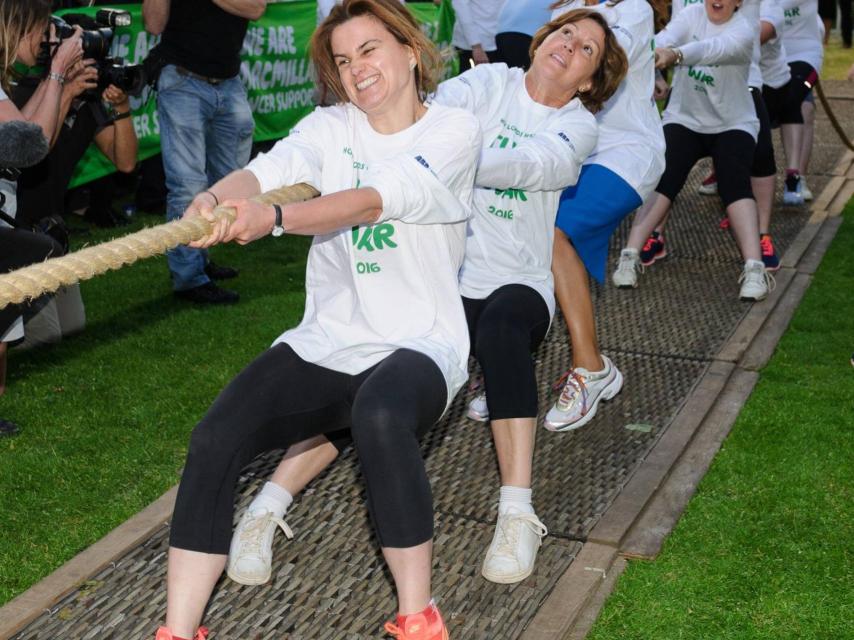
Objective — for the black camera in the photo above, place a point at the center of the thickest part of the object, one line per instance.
(97, 39)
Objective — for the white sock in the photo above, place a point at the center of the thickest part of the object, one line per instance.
(515, 499)
(272, 498)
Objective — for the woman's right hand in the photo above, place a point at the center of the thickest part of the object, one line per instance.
(69, 52)
(203, 205)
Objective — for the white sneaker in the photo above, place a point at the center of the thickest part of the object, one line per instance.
(626, 275)
(477, 408)
(805, 190)
(251, 554)
(581, 395)
(794, 197)
(755, 281)
(510, 558)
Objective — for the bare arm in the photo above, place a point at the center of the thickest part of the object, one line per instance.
(155, 15)
(249, 9)
(119, 142)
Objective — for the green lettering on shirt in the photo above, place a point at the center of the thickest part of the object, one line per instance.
(512, 194)
(374, 237)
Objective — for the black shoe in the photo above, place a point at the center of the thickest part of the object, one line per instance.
(208, 293)
(8, 428)
(217, 272)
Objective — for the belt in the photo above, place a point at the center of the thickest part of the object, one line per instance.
(186, 72)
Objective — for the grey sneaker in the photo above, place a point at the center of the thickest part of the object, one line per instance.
(251, 553)
(513, 551)
(626, 275)
(579, 399)
(756, 281)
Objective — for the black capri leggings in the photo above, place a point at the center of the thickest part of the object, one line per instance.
(784, 103)
(731, 152)
(279, 400)
(763, 157)
(19, 248)
(505, 328)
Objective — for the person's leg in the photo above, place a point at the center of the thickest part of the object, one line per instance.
(808, 113)
(228, 139)
(511, 325)
(792, 127)
(278, 400)
(184, 109)
(762, 180)
(302, 463)
(395, 404)
(845, 25)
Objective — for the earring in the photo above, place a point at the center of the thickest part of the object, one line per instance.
(412, 65)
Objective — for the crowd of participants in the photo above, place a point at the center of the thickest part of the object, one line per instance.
(455, 218)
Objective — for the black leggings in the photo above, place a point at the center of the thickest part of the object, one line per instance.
(732, 155)
(505, 328)
(784, 103)
(19, 248)
(279, 400)
(513, 49)
(763, 156)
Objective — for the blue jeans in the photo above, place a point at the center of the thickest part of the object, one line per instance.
(205, 133)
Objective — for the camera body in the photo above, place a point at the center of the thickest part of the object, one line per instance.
(97, 39)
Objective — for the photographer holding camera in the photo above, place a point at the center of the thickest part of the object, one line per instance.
(90, 109)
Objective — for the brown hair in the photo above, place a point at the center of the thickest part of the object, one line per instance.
(613, 63)
(660, 11)
(17, 19)
(397, 20)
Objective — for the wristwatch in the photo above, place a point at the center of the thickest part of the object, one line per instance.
(278, 229)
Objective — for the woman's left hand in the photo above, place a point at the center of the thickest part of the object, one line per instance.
(664, 57)
(116, 97)
(254, 220)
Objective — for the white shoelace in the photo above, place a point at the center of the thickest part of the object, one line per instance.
(508, 530)
(252, 534)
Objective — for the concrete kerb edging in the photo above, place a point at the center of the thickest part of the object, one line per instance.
(651, 502)
(585, 583)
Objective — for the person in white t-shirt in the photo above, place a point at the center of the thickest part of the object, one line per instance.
(537, 133)
(475, 26)
(710, 113)
(617, 177)
(382, 347)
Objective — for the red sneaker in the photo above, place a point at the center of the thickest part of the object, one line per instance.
(426, 625)
(164, 634)
(653, 249)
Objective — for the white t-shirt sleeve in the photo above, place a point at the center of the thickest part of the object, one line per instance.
(771, 12)
(3, 95)
(548, 161)
(677, 31)
(475, 90)
(733, 46)
(464, 18)
(297, 158)
(432, 182)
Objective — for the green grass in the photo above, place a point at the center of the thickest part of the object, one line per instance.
(837, 60)
(106, 415)
(764, 548)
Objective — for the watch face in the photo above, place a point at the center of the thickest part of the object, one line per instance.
(278, 231)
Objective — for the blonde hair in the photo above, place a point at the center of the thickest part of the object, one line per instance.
(397, 20)
(613, 64)
(17, 19)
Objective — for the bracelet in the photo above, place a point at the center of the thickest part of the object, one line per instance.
(679, 56)
(210, 193)
(126, 114)
(53, 75)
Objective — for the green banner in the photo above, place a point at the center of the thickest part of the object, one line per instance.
(275, 70)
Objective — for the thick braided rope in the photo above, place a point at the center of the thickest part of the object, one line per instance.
(48, 276)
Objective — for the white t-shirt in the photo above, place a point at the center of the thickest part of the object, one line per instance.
(373, 289)
(678, 5)
(631, 139)
(476, 22)
(531, 152)
(773, 67)
(801, 35)
(710, 93)
(324, 7)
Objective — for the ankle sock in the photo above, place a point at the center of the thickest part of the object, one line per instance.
(515, 498)
(792, 178)
(273, 498)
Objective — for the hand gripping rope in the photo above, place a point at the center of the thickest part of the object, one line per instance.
(48, 276)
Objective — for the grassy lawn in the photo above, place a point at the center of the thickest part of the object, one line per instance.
(764, 549)
(837, 60)
(106, 415)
